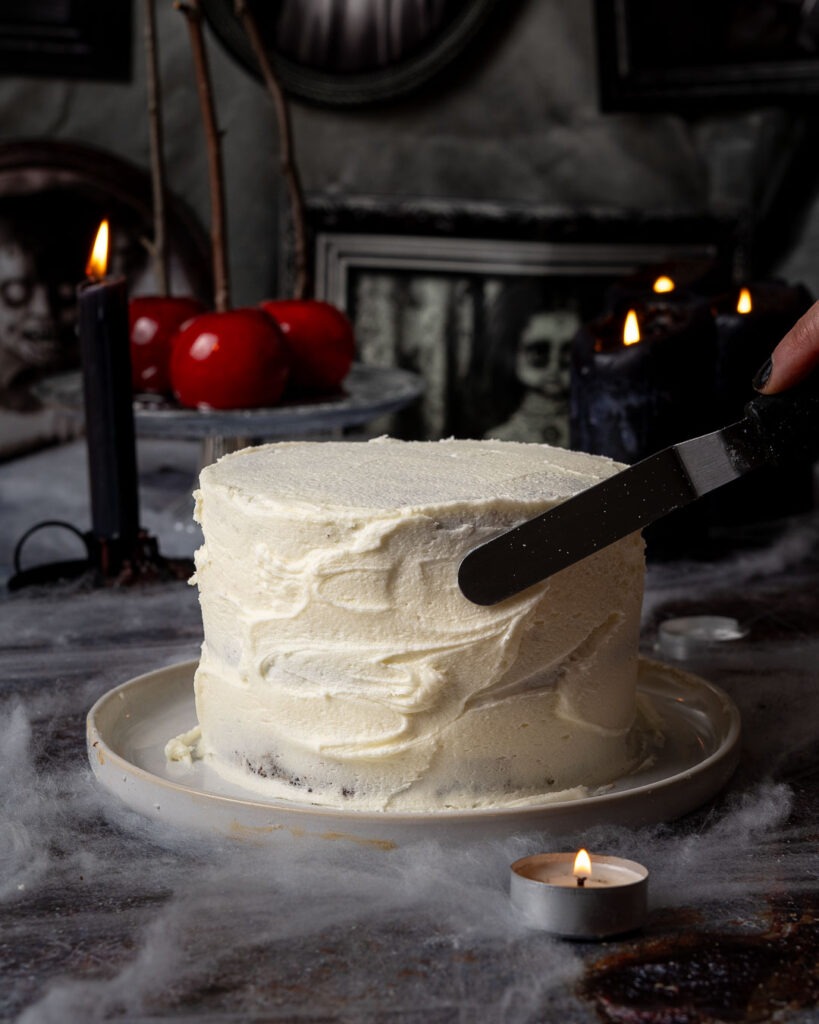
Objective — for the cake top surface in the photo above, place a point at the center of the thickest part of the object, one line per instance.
(387, 474)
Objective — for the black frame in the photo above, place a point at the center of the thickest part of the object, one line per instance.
(92, 40)
(690, 56)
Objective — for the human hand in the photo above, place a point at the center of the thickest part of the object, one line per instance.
(794, 357)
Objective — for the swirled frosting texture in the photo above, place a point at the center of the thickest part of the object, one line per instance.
(342, 665)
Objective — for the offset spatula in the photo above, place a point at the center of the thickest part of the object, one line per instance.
(775, 429)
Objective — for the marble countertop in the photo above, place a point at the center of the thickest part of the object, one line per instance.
(106, 915)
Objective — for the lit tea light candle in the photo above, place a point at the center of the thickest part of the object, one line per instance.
(663, 285)
(579, 896)
(109, 418)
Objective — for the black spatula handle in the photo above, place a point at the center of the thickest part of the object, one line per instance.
(788, 422)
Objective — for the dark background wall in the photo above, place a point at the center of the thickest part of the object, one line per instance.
(516, 121)
(511, 134)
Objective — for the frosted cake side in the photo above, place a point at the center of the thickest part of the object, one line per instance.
(343, 667)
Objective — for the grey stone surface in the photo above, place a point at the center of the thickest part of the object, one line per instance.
(108, 916)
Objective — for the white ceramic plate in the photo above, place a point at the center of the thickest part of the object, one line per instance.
(129, 726)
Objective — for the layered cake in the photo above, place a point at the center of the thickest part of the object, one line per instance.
(341, 664)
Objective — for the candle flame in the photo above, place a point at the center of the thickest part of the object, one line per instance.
(98, 260)
(582, 865)
(631, 329)
(744, 304)
(663, 284)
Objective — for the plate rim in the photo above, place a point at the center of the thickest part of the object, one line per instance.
(726, 753)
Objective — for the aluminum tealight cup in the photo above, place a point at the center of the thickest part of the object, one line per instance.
(613, 900)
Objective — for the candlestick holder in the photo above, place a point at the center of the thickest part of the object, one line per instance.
(103, 564)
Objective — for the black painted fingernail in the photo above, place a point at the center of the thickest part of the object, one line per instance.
(763, 374)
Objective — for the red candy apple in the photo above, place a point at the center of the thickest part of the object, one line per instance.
(231, 360)
(154, 320)
(320, 339)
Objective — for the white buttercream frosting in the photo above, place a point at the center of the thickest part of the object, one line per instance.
(342, 665)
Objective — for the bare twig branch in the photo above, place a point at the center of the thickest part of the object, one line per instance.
(286, 148)
(159, 248)
(218, 221)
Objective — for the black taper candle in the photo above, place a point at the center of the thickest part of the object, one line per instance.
(109, 419)
(628, 401)
(744, 342)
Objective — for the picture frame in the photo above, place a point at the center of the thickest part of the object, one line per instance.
(486, 318)
(692, 56)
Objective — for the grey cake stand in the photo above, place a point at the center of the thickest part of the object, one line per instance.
(367, 393)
